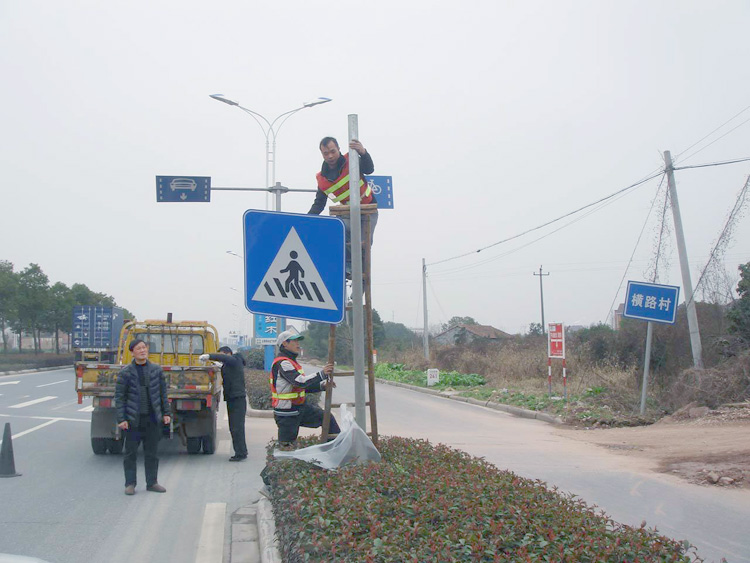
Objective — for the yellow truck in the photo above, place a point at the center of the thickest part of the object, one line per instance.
(192, 387)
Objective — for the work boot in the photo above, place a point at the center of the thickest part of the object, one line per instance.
(130, 490)
(156, 488)
(286, 446)
(238, 458)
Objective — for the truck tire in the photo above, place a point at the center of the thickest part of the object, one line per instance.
(115, 446)
(209, 441)
(99, 445)
(194, 445)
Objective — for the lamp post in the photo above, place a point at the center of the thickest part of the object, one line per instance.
(271, 131)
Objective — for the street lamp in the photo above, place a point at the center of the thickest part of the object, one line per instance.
(270, 131)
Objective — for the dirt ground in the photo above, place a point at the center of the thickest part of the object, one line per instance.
(706, 447)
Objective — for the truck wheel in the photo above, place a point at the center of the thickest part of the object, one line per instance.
(193, 445)
(209, 441)
(115, 446)
(99, 445)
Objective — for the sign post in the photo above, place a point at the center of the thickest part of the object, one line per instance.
(653, 303)
(556, 349)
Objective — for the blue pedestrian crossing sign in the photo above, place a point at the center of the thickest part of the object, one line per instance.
(294, 266)
(652, 302)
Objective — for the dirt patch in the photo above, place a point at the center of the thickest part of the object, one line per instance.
(707, 447)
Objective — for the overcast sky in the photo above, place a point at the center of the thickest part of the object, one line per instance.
(493, 117)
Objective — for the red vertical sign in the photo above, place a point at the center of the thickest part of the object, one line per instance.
(556, 340)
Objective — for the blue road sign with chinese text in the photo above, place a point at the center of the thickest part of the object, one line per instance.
(265, 329)
(652, 302)
(382, 187)
(183, 189)
(294, 266)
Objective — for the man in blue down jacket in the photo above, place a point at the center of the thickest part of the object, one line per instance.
(142, 408)
(233, 378)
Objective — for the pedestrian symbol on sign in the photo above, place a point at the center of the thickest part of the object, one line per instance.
(295, 281)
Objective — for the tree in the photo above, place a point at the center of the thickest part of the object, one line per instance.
(33, 299)
(739, 313)
(8, 298)
(535, 329)
(378, 330)
(455, 321)
(59, 313)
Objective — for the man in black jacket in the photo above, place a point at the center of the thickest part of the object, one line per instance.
(142, 408)
(233, 377)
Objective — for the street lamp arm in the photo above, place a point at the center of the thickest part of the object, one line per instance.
(255, 116)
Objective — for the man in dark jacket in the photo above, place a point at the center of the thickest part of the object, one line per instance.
(142, 408)
(233, 377)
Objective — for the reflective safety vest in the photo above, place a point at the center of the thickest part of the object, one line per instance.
(297, 394)
(338, 190)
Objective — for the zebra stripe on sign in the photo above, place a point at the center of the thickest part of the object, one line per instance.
(293, 279)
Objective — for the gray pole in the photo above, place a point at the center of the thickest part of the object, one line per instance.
(692, 316)
(646, 366)
(358, 328)
(425, 336)
(541, 294)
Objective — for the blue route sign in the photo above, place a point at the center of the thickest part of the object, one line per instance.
(382, 187)
(651, 302)
(294, 266)
(265, 329)
(183, 189)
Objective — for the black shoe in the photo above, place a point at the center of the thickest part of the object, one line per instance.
(238, 458)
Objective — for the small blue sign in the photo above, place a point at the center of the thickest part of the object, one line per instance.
(265, 329)
(294, 265)
(652, 302)
(382, 187)
(183, 189)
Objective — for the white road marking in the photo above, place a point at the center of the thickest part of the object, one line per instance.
(211, 543)
(33, 402)
(9, 382)
(53, 383)
(90, 408)
(46, 418)
(42, 425)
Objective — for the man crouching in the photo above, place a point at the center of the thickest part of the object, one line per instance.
(288, 387)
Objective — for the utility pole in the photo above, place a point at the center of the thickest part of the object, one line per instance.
(692, 316)
(541, 294)
(425, 335)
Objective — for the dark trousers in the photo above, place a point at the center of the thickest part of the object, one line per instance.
(348, 233)
(148, 432)
(309, 416)
(236, 411)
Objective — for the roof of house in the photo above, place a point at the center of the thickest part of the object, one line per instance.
(482, 331)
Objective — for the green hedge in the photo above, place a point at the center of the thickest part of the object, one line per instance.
(17, 362)
(397, 372)
(433, 503)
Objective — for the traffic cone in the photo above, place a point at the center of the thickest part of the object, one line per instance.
(7, 465)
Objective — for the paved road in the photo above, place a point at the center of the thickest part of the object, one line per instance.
(715, 520)
(68, 506)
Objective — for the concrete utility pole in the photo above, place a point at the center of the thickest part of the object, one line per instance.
(425, 335)
(541, 294)
(358, 323)
(692, 316)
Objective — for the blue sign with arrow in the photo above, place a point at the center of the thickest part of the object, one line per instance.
(294, 266)
(651, 302)
(183, 189)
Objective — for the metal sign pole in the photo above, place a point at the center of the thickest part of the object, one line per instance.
(358, 328)
(646, 366)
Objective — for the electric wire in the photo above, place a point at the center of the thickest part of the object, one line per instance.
(699, 141)
(715, 140)
(713, 164)
(635, 248)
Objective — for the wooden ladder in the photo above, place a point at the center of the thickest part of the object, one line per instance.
(366, 210)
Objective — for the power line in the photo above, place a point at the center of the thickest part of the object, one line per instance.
(717, 139)
(699, 141)
(722, 163)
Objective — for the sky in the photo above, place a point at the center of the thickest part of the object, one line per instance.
(492, 117)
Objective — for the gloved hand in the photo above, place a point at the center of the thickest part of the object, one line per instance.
(203, 357)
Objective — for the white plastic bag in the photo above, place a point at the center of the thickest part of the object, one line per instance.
(352, 445)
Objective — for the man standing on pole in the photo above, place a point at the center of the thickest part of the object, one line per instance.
(333, 183)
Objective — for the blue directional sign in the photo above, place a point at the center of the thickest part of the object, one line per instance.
(265, 329)
(294, 266)
(382, 187)
(183, 189)
(652, 302)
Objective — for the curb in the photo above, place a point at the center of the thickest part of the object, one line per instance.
(255, 413)
(515, 411)
(269, 552)
(35, 370)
